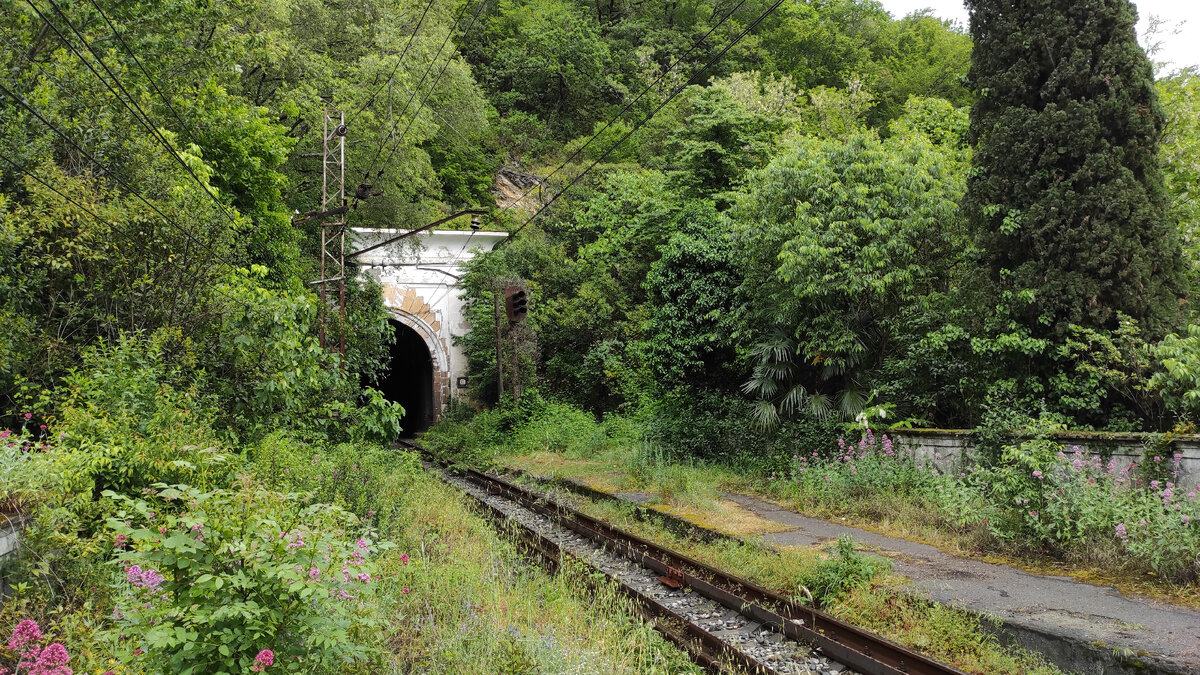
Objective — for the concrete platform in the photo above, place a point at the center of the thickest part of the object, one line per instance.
(1080, 627)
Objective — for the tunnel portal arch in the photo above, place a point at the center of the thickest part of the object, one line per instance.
(420, 290)
(418, 377)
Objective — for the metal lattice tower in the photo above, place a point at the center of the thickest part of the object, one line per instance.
(333, 225)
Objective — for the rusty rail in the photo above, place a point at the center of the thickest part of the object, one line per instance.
(852, 646)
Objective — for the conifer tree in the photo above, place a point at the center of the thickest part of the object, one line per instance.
(1065, 194)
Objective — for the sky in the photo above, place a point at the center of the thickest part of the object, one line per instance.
(1183, 16)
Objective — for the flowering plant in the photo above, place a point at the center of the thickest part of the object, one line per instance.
(242, 579)
(36, 659)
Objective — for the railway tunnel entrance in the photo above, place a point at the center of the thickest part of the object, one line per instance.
(409, 380)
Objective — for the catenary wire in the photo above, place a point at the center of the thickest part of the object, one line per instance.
(411, 39)
(645, 119)
(642, 122)
(383, 139)
(635, 99)
(132, 106)
(21, 102)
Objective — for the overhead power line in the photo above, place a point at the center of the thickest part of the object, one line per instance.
(635, 99)
(411, 39)
(163, 97)
(647, 118)
(128, 188)
(132, 105)
(433, 85)
(612, 120)
(383, 139)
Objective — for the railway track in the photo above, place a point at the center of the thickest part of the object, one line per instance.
(724, 622)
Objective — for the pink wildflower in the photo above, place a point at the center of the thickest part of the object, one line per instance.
(1185, 518)
(1037, 475)
(27, 631)
(404, 558)
(5, 434)
(28, 416)
(314, 573)
(404, 590)
(1154, 485)
(1121, 531)
(264, 659)
(53, 655)
(364, 577)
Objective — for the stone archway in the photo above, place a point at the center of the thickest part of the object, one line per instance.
(411, 311)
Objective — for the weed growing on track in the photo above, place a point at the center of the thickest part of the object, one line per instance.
(1036, 507)
(863, 593)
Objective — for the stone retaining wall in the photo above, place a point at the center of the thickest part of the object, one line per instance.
(948, 449)
(10, 534)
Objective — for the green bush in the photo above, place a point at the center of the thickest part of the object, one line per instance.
(845, 569)
(1179, 381)
(212, 579)
(710, 425)
(562, 428)
(703, 424)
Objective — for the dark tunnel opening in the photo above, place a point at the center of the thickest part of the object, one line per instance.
(409, 380)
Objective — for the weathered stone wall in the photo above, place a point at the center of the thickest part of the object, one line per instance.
(10, 536)
(948, 449)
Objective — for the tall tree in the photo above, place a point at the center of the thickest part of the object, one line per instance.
(1066, 195)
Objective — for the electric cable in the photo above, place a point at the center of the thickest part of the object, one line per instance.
(635, 99)
(21, 102)
(411, 39)
(433, 85)
(383, 140)
(679, 89)
(132, 106)
(97, 217)
(165, 99)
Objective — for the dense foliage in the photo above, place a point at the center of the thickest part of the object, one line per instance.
(1066, 190)
(809, 231)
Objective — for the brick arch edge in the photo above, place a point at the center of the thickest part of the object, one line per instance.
(428, 330)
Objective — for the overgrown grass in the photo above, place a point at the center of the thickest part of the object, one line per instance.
(383, 567)
(849, 585)
(845, 582)
(1088, 521)
(475, 606)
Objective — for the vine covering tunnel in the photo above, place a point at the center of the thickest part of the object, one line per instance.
(409, 381)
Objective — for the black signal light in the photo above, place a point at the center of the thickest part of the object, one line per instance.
(516, 303)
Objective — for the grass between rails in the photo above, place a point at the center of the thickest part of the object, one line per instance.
(474, 605)
(878, 604)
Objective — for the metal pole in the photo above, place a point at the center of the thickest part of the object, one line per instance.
(342, 240)
(516, 363)
(333, 235)
(324, 203)
(499, 350)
